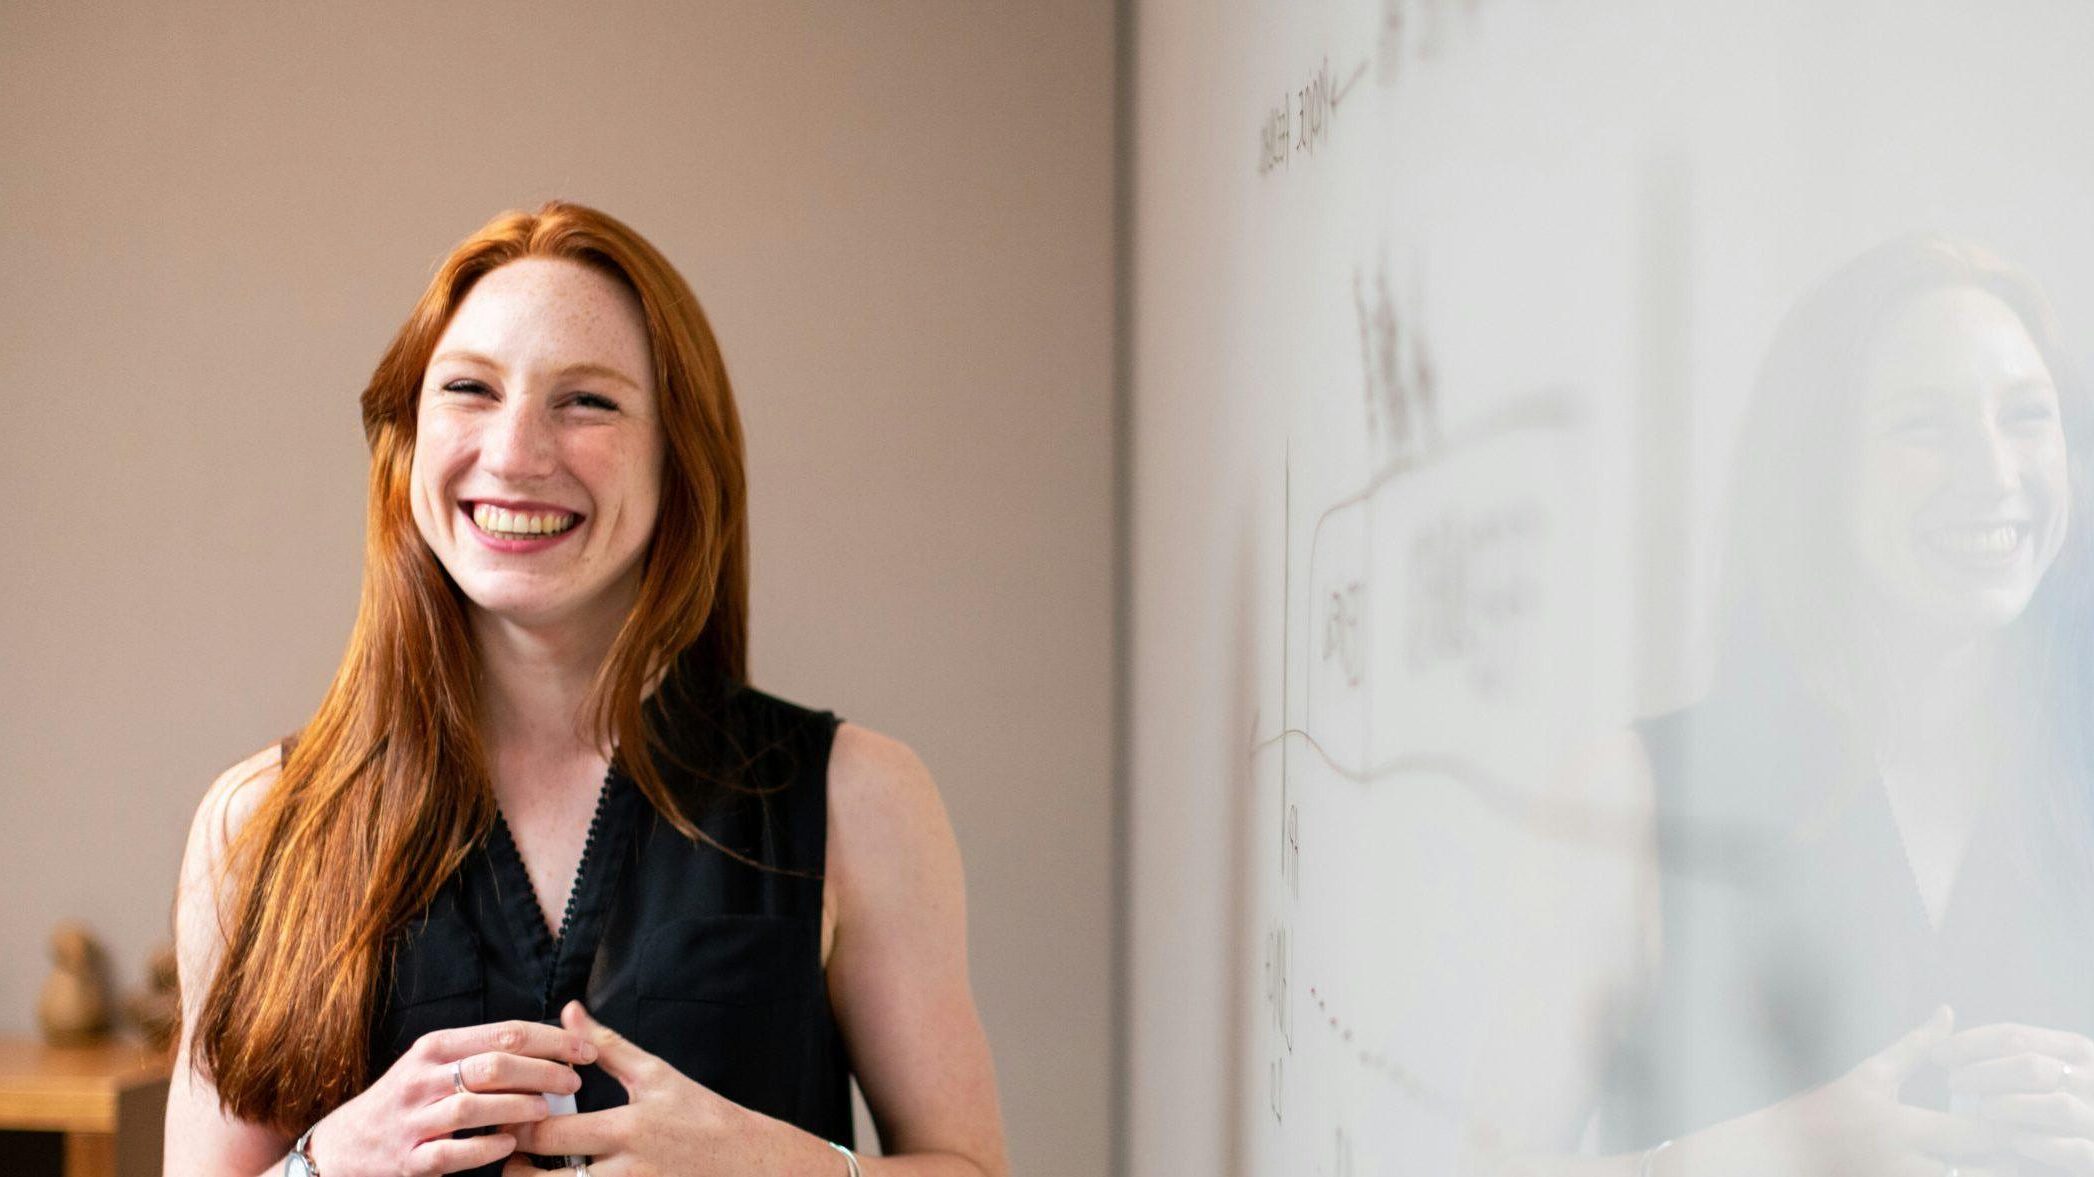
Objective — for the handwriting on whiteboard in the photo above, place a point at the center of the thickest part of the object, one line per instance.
(1302, 120)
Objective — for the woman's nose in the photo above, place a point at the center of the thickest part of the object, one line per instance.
(1987, 462)
(518, 445)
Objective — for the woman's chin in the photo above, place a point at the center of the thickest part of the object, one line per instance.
(1966, 615)
(522, 610)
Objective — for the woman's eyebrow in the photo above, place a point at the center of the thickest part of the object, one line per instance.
(582, 368)
(2032, 385)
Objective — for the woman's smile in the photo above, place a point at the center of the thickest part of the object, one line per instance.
(1978, 547)
(518, 527)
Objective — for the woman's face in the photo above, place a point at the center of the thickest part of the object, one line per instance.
(538, 449)
(1960, 496)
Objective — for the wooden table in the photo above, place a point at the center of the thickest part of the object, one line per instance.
(109, 1100)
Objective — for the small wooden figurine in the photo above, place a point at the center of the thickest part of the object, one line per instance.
(152, 1009)
(74, 1008)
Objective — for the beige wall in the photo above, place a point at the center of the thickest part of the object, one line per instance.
(899, 217)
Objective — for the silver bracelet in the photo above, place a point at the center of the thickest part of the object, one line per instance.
(850, 1157)
(299, 1161)
(1650, 1160)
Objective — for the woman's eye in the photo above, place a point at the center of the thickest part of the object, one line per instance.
(1915, 429)
(473, 387)
(593, 401)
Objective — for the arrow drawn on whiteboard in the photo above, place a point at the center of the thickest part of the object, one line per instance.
(1591, 825)
(1338, 95)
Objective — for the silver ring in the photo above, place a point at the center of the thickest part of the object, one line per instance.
(582, 1170)
(458, 1076)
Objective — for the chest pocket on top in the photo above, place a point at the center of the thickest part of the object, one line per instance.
(738, 1003)
(731, 960)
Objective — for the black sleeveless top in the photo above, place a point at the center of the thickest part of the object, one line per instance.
(1795, 949)
(711, 964)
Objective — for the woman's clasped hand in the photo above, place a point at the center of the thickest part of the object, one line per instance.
(2019, 1096)
(2031, 1085)
(468, 1077)
(670, 1124)
(403, 1123)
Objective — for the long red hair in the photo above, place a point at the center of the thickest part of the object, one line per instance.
(385, 790)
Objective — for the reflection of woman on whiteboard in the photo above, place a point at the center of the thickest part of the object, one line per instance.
(545, 876)
(1870, 939)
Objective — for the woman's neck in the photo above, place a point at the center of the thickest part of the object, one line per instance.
(1924, 699)
(534, 681)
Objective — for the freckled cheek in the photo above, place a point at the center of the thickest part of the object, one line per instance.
(622, 493)
(1896, 486)
(440, 461)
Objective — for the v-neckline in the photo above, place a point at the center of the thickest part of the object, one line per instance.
(552, 948)
(1933, 920)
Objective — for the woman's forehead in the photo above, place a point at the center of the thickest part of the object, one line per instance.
(1949, 343)
(548, 316)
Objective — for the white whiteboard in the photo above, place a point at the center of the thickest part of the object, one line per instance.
(1443, 314)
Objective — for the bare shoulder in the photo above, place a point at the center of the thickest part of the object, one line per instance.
(881, 793)
(226, 805)
(235, 793)
(888, 830)
(869, 768)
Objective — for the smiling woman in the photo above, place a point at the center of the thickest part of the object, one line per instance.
(541, 820)
(1873, 827)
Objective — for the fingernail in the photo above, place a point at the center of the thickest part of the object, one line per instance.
(588, 1052)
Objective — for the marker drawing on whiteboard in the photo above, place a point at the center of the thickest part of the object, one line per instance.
(1302, 120)
(1402, 386)
(1343, 608)
(1475, 588)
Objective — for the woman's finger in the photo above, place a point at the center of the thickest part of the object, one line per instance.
(1925, 1166)
(449, 1114)
(1947, 1134)
(520, 1165)
(2032, 1074)
(585, 1134)
(1898, 1060)
(447, 1154)
(2057, 1112)
(2007, 1039)
(494, 1071)
(620, 1057)
(512, 1037)
(2072, 1154)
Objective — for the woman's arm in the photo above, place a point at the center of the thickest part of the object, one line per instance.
(201, 1140)
(898, 970)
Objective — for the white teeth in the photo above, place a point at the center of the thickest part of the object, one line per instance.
(1980, 541)
(504, 522)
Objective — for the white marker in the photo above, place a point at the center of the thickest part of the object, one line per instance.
(561, 1103)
